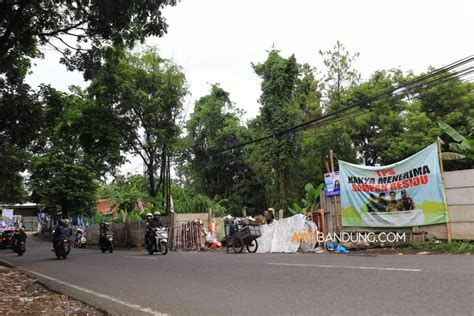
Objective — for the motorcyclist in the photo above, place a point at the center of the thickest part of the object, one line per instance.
(19, 235)
(153, 223)
(62, 231)
(103, 231)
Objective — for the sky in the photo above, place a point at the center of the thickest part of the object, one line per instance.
(215, 41)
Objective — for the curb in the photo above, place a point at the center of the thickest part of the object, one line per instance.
(7, 264)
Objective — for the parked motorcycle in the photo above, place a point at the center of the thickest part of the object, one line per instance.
(80, 240)
(61, 248)
(160, 243)
(106, 243)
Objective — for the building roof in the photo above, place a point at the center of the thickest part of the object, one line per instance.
(106, 206)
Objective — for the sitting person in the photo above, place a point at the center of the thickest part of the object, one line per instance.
(153, 223)
(103, 231)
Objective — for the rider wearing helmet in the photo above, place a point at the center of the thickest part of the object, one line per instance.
(153, 223)
(104, 229)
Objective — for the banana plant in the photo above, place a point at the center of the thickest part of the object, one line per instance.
(310, 202)
(462, 148)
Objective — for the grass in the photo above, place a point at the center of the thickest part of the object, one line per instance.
(456, 246)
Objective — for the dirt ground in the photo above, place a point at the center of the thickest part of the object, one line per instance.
(23, 295)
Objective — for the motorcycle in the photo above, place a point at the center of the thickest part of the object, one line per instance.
(61, 248)
(81, 240)
(19, 245)
(106, 243)
(160, 242)
(5, 240)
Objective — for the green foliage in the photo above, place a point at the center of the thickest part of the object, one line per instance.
(340, 75)
(288, 96)
(145, 92)
(26, 28)
(126, 191)
(456, 246)
(463, 148)
(187, 202)
(311, 201)
(62, 173)
(213, 126)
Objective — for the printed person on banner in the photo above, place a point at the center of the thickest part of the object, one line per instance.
(393, 205)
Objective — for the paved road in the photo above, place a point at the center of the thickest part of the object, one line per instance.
(133, 283)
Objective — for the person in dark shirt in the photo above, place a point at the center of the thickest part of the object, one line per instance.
(407, 201)
(153, 223)
(270, 217)
(372, 206)
(382, 202)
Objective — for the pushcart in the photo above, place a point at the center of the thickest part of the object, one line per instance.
(244, 236)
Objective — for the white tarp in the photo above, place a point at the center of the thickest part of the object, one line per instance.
(287, 235)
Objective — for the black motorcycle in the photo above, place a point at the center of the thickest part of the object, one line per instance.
(19, 245)
(106, 243)
(61, 248)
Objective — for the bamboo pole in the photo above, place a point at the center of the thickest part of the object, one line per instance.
(440, 158)
(336, 205)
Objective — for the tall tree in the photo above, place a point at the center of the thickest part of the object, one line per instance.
(213, 126)
(340, 75)
(279, 81)
(76, 29)
(62, 172)
(145, 94)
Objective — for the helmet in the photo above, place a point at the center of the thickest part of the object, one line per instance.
(157, 213)
(149, 215)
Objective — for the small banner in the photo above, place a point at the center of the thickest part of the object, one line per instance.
(332, 183)
(406, 193)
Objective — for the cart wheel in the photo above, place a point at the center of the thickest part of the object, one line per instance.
(252, 246)
(238, 244)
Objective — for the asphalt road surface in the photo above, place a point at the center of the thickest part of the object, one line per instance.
(135, 283)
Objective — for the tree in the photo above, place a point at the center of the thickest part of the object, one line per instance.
(289, 95)
(145, 95)
(76, 29)
(214, 126)
(79, 27)
(340, 75)
(62, 172)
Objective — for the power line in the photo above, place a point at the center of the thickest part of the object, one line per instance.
(401, 89)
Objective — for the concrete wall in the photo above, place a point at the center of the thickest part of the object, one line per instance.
(132, 234)
(460, 198)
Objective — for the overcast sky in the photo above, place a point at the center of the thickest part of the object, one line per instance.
(215, 41)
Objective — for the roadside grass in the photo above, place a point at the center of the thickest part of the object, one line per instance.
(456, 246)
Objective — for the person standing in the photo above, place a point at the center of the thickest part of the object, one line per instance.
(270, 217)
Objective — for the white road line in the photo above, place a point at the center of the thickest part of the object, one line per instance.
(107, 297)
(143, 257)
(342, 267)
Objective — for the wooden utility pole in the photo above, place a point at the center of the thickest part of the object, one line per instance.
(441, 168)
(334, 197)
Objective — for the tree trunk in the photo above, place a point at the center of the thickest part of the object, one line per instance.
(151, 180)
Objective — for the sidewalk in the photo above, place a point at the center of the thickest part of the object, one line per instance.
(22, 295)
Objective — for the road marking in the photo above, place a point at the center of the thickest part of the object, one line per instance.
(144, 257)
(107, 297)
(343, 267)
